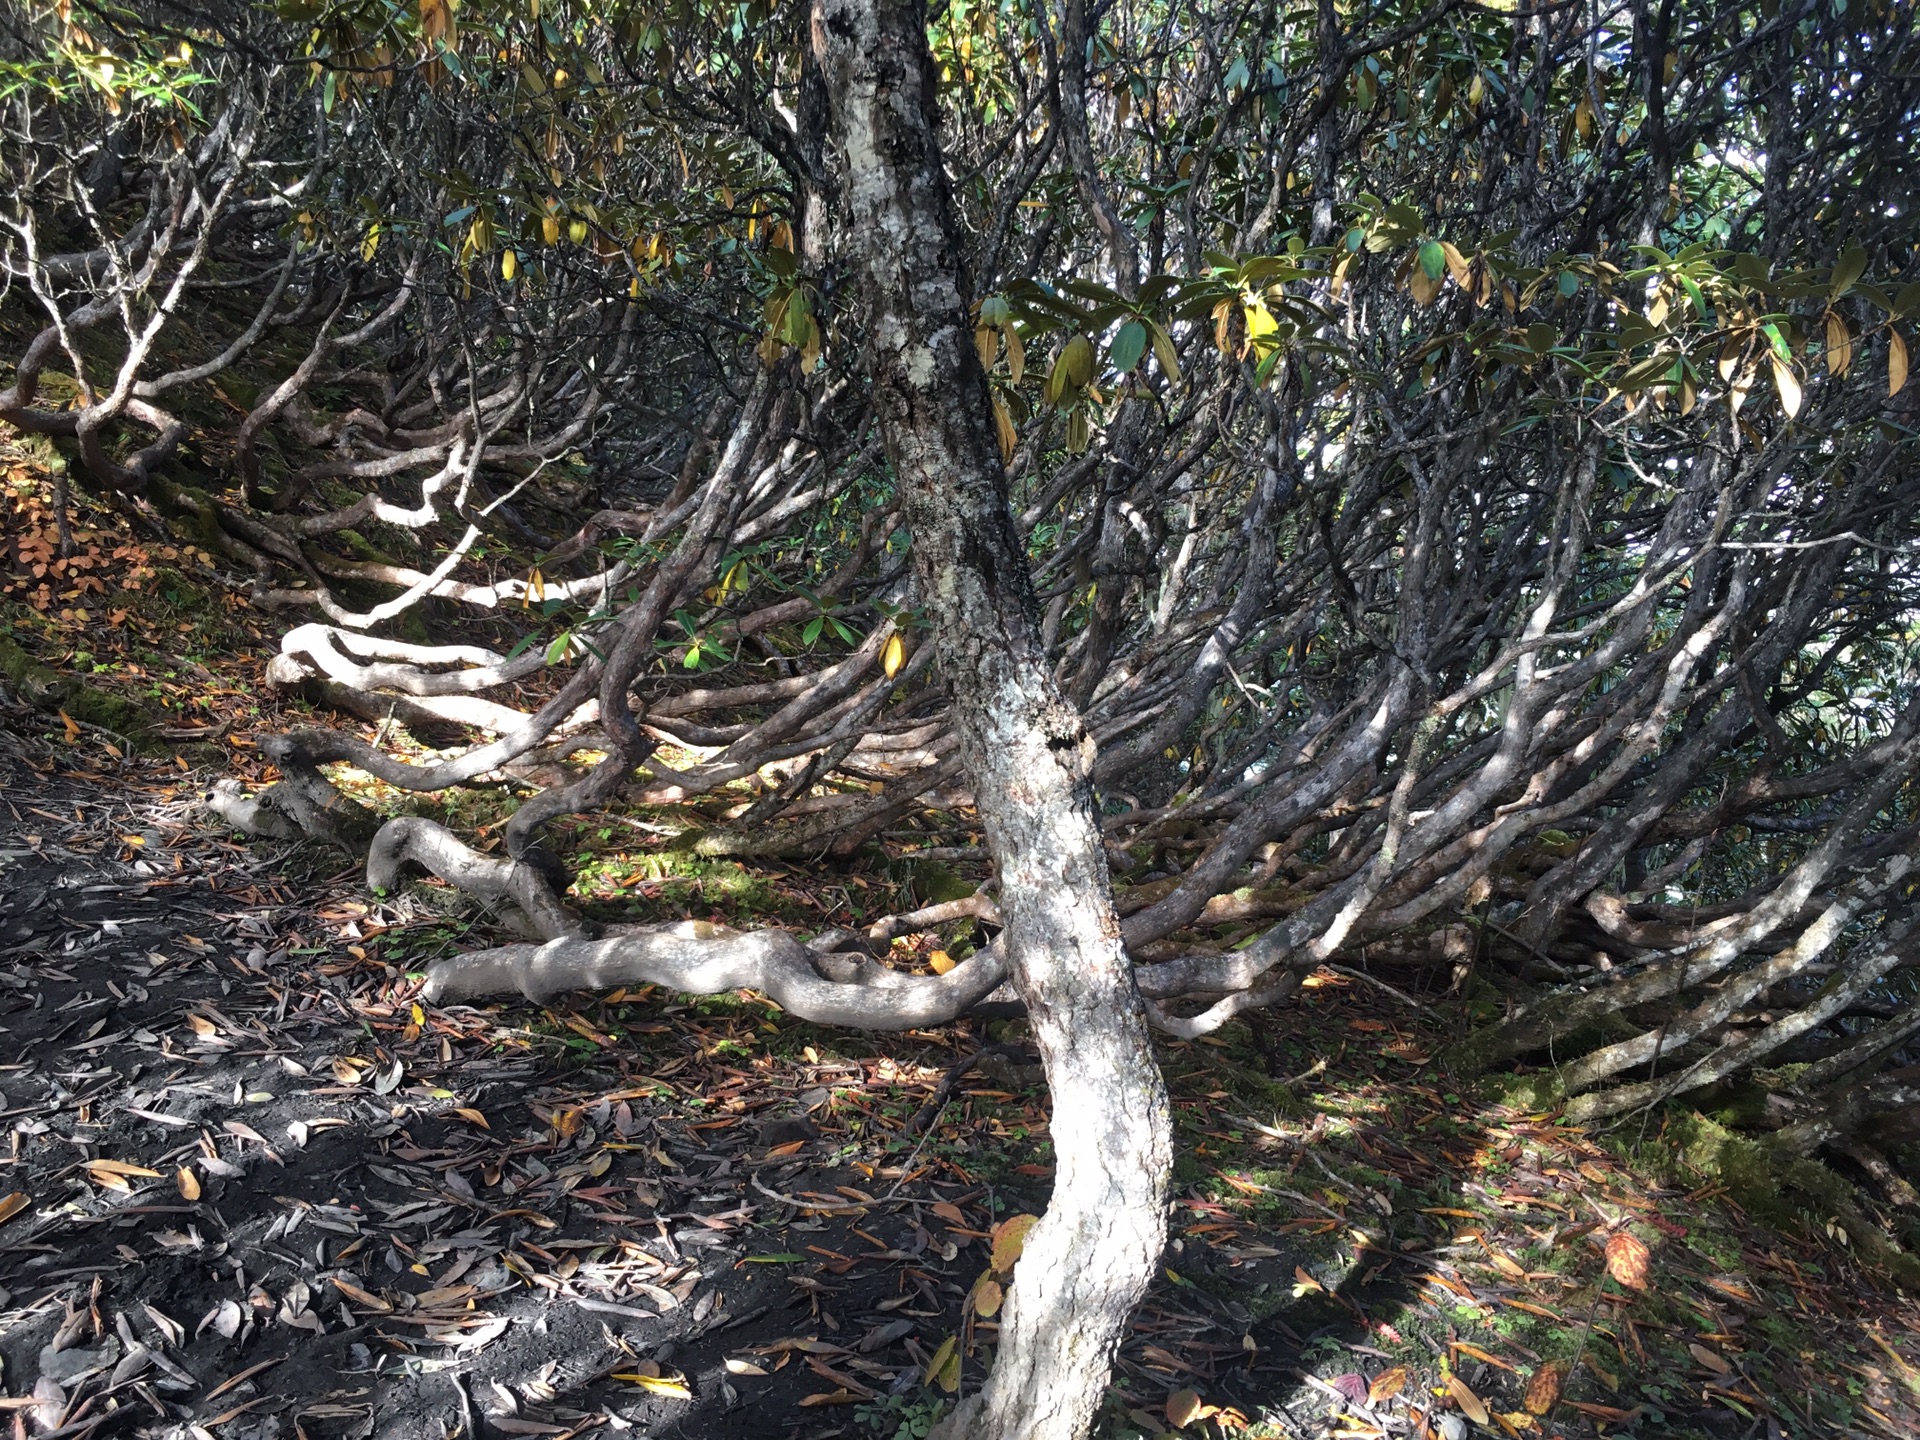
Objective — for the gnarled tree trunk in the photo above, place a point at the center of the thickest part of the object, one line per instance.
(1088, 1262)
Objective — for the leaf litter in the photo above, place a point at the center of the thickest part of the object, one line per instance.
(257, 1189)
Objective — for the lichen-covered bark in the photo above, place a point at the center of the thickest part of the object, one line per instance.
(1027, 751)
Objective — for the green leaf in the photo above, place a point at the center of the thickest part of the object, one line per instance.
(1128, 346)
(1433, 259)
(557, 651)
(1164, 353)
(814, 627)
(1852, 265)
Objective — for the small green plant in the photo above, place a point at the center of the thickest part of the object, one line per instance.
(900, 1417)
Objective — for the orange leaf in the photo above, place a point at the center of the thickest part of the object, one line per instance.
(1627, 1257)
(950, 1212)
(1544, 1388)
(1387, 1384)
(1477, 1353)
(12, 1205)
(1185, 1406)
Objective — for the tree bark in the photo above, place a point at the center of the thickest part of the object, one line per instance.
(1088, 1262)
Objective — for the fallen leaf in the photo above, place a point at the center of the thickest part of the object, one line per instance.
(744, 1367)
(1627, 1257)
(672, 1386)
(950, 1212)
(12, 1205)
(1387, 1384)
(1544, 1388)
(121, 1168)
(1185, 1406)
(1715, 1362)
(188, 1182)
(941, 962)
(829, 1397)
(1471, 1405)
(1009, 1239)
(364, 1299)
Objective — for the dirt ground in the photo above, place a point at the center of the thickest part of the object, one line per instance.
(254, 1190)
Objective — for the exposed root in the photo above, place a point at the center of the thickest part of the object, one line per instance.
(529, 883)
(693, 957)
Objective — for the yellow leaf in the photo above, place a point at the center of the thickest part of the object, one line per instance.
(1016, 354)
(1471, 1405)
(1003, 428)
(1896, 374)
(509, 263)
(1839, 345)
(892, 656)
(1387, 1384)
(1787, 384)
(944, 1368)
(744, 1367)
(188, 1182)
(1009, 1240)
(674, 1386)
(941, 962)
(986, 344)
(986, 1297)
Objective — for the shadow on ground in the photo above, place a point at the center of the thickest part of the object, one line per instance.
(254, 1191)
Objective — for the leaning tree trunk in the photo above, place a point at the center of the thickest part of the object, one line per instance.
(1088, 1262)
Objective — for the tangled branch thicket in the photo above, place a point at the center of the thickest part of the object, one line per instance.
(1507, 586)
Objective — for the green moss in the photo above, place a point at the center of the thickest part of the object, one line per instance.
(29, 679)
(1781, 1188)
(935, 884)
(111, 712)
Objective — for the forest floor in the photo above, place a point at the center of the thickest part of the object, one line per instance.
(253, 1188)
(256, 1189)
